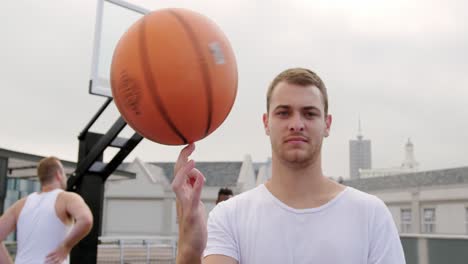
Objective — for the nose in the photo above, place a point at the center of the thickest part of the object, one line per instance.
(296, 124)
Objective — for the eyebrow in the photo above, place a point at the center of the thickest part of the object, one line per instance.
(312, 108)
(307, 108)
(282, 107)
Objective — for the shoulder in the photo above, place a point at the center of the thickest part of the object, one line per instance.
(368, 205)
(364, 199)
(20, 202)
(376, 210)
(241, 202)
(14, 211)
(69, 197)
(243, 199)
(18, 206)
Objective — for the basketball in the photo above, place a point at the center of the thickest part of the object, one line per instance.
(174, 76)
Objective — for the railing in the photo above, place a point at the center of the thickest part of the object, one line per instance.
(137, 250)
(419, 249)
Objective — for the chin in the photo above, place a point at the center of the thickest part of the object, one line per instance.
(296, 156)
(299, 157)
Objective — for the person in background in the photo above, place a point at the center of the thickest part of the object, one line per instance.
(49, 223)
(224, 194)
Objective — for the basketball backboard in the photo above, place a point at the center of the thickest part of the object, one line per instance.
(113, 18)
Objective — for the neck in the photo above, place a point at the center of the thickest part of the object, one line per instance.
(301, 186)
(49, 187)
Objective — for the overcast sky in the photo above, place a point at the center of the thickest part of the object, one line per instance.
(402, 66)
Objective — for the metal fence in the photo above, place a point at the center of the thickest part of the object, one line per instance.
(137, 250)
(419, 249)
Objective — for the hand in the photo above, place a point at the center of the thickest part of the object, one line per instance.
(58, 255)
(187, 185)
(5, 255)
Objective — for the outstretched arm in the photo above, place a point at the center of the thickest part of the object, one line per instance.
(187, 185)
(81, 213)
(8, 225)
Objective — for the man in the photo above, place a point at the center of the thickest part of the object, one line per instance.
(48, 223)
(224, 194)
(298, 216)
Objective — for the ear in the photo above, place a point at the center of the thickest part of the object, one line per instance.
(57, 176)
(265, 124)
(328, 122)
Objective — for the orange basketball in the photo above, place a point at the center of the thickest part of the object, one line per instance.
(174, 76)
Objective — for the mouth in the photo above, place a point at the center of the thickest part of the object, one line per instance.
(296, 140)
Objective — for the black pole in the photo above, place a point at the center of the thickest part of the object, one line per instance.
(96, 150)
(92, 191)
(89, 182)
(95, 117)
(3, 182)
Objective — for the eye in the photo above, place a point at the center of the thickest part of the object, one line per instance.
(310, 114)
(283, 113)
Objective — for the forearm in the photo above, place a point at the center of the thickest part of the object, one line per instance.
(190, 250)
(188, 261)
(188, 258)
(5, 255)
(80, 229)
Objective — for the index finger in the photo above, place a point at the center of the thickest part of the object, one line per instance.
(183, 157)
(180, 178)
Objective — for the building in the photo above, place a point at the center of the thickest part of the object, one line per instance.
(264, 172)
(360, 156)
(408, 165)
(146, 205)
(427, 202)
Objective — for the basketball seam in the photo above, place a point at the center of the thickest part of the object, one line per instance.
(204, 68)
(151, 84)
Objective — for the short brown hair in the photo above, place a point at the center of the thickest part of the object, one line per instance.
(46, 169)
(299, 76)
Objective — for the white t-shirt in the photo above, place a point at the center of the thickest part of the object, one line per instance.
(353, 228)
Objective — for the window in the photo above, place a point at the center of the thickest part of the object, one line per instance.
(429, 219)
(405, 220)
(466, 220)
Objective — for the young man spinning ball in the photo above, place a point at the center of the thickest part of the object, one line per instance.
(299, 216)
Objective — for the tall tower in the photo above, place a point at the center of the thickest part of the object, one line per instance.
(359, 154)
(409, 162)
